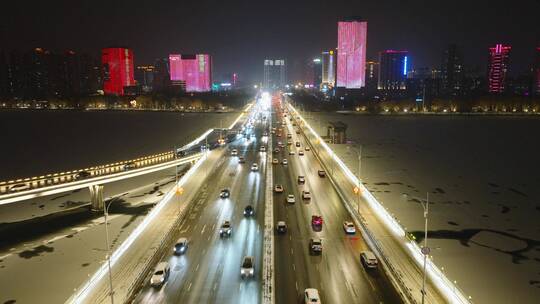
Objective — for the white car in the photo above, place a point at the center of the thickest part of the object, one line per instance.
(290, 199)
(254, 167)
(284, 161)
(349, 227)
(225, 229)
(19, 187)
(368, 259)
(291, 152)
(263, 149)
(306, 195)
(247, 268)
(275, 161)
(234, 152)
(301, 152)
(311, 296)
(278, 188)
(307, 148)
(160, 275)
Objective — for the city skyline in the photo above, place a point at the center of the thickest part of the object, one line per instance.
(238, 49)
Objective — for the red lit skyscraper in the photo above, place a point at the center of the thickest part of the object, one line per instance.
(497, 67)
(351, 53)
(117, 70)
(194, 70)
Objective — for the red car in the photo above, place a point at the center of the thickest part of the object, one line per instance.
(316, 220)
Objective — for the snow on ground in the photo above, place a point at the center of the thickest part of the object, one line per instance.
(47, 257)
(482, 176)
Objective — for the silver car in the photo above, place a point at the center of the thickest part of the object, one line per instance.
(247, 268)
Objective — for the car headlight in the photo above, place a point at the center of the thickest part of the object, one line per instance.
(220, 230)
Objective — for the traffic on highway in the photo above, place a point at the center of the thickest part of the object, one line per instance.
(216, 257)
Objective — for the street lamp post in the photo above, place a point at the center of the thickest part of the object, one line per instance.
(425, 248)
(106, 213)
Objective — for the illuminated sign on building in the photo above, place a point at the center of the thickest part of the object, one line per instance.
(498, 67)
(193, 70)
(351, 54)
(118, 70)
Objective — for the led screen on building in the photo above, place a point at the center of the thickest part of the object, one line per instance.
(194, 70)
(117, 69)
(351, 54)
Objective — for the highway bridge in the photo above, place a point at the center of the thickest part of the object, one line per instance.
(270, 144)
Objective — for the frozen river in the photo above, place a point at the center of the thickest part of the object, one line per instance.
(41, 142)
(483, 179)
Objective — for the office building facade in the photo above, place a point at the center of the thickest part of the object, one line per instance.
(274, 76)
(452, 71)
(372, 75)
(328, 77)
(393, 68)
(351, 53)
(118, 73)
(194, 71)
(499, 56)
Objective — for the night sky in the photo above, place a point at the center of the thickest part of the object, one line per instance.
(240, 34)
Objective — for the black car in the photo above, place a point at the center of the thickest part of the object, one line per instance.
(225, 193)
(249, 211)
(281, 227)
(82, 175)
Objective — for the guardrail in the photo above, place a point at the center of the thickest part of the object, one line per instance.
(268, 293)
(35, 182)
(445, 287)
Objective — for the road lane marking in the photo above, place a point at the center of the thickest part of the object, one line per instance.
(296, 284)
(293, 267)
(204, 227)
(215, 286)
(189, 287)
(292, 251)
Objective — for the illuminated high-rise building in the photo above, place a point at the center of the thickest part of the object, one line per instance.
(117, 70)
(328, 61)
(372, 75)
(274, 74)
(537, 72)
(498, 67)
(393, 67)
(193, 71)
(351, 53)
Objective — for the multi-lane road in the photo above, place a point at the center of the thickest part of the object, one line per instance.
(337, 273)
(209, 271)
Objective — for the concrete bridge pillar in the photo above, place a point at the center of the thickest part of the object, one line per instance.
(96, 197)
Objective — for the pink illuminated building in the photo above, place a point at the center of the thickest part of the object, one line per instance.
(498, 67)
(193, 70)
(351, 54)
(117, 70)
